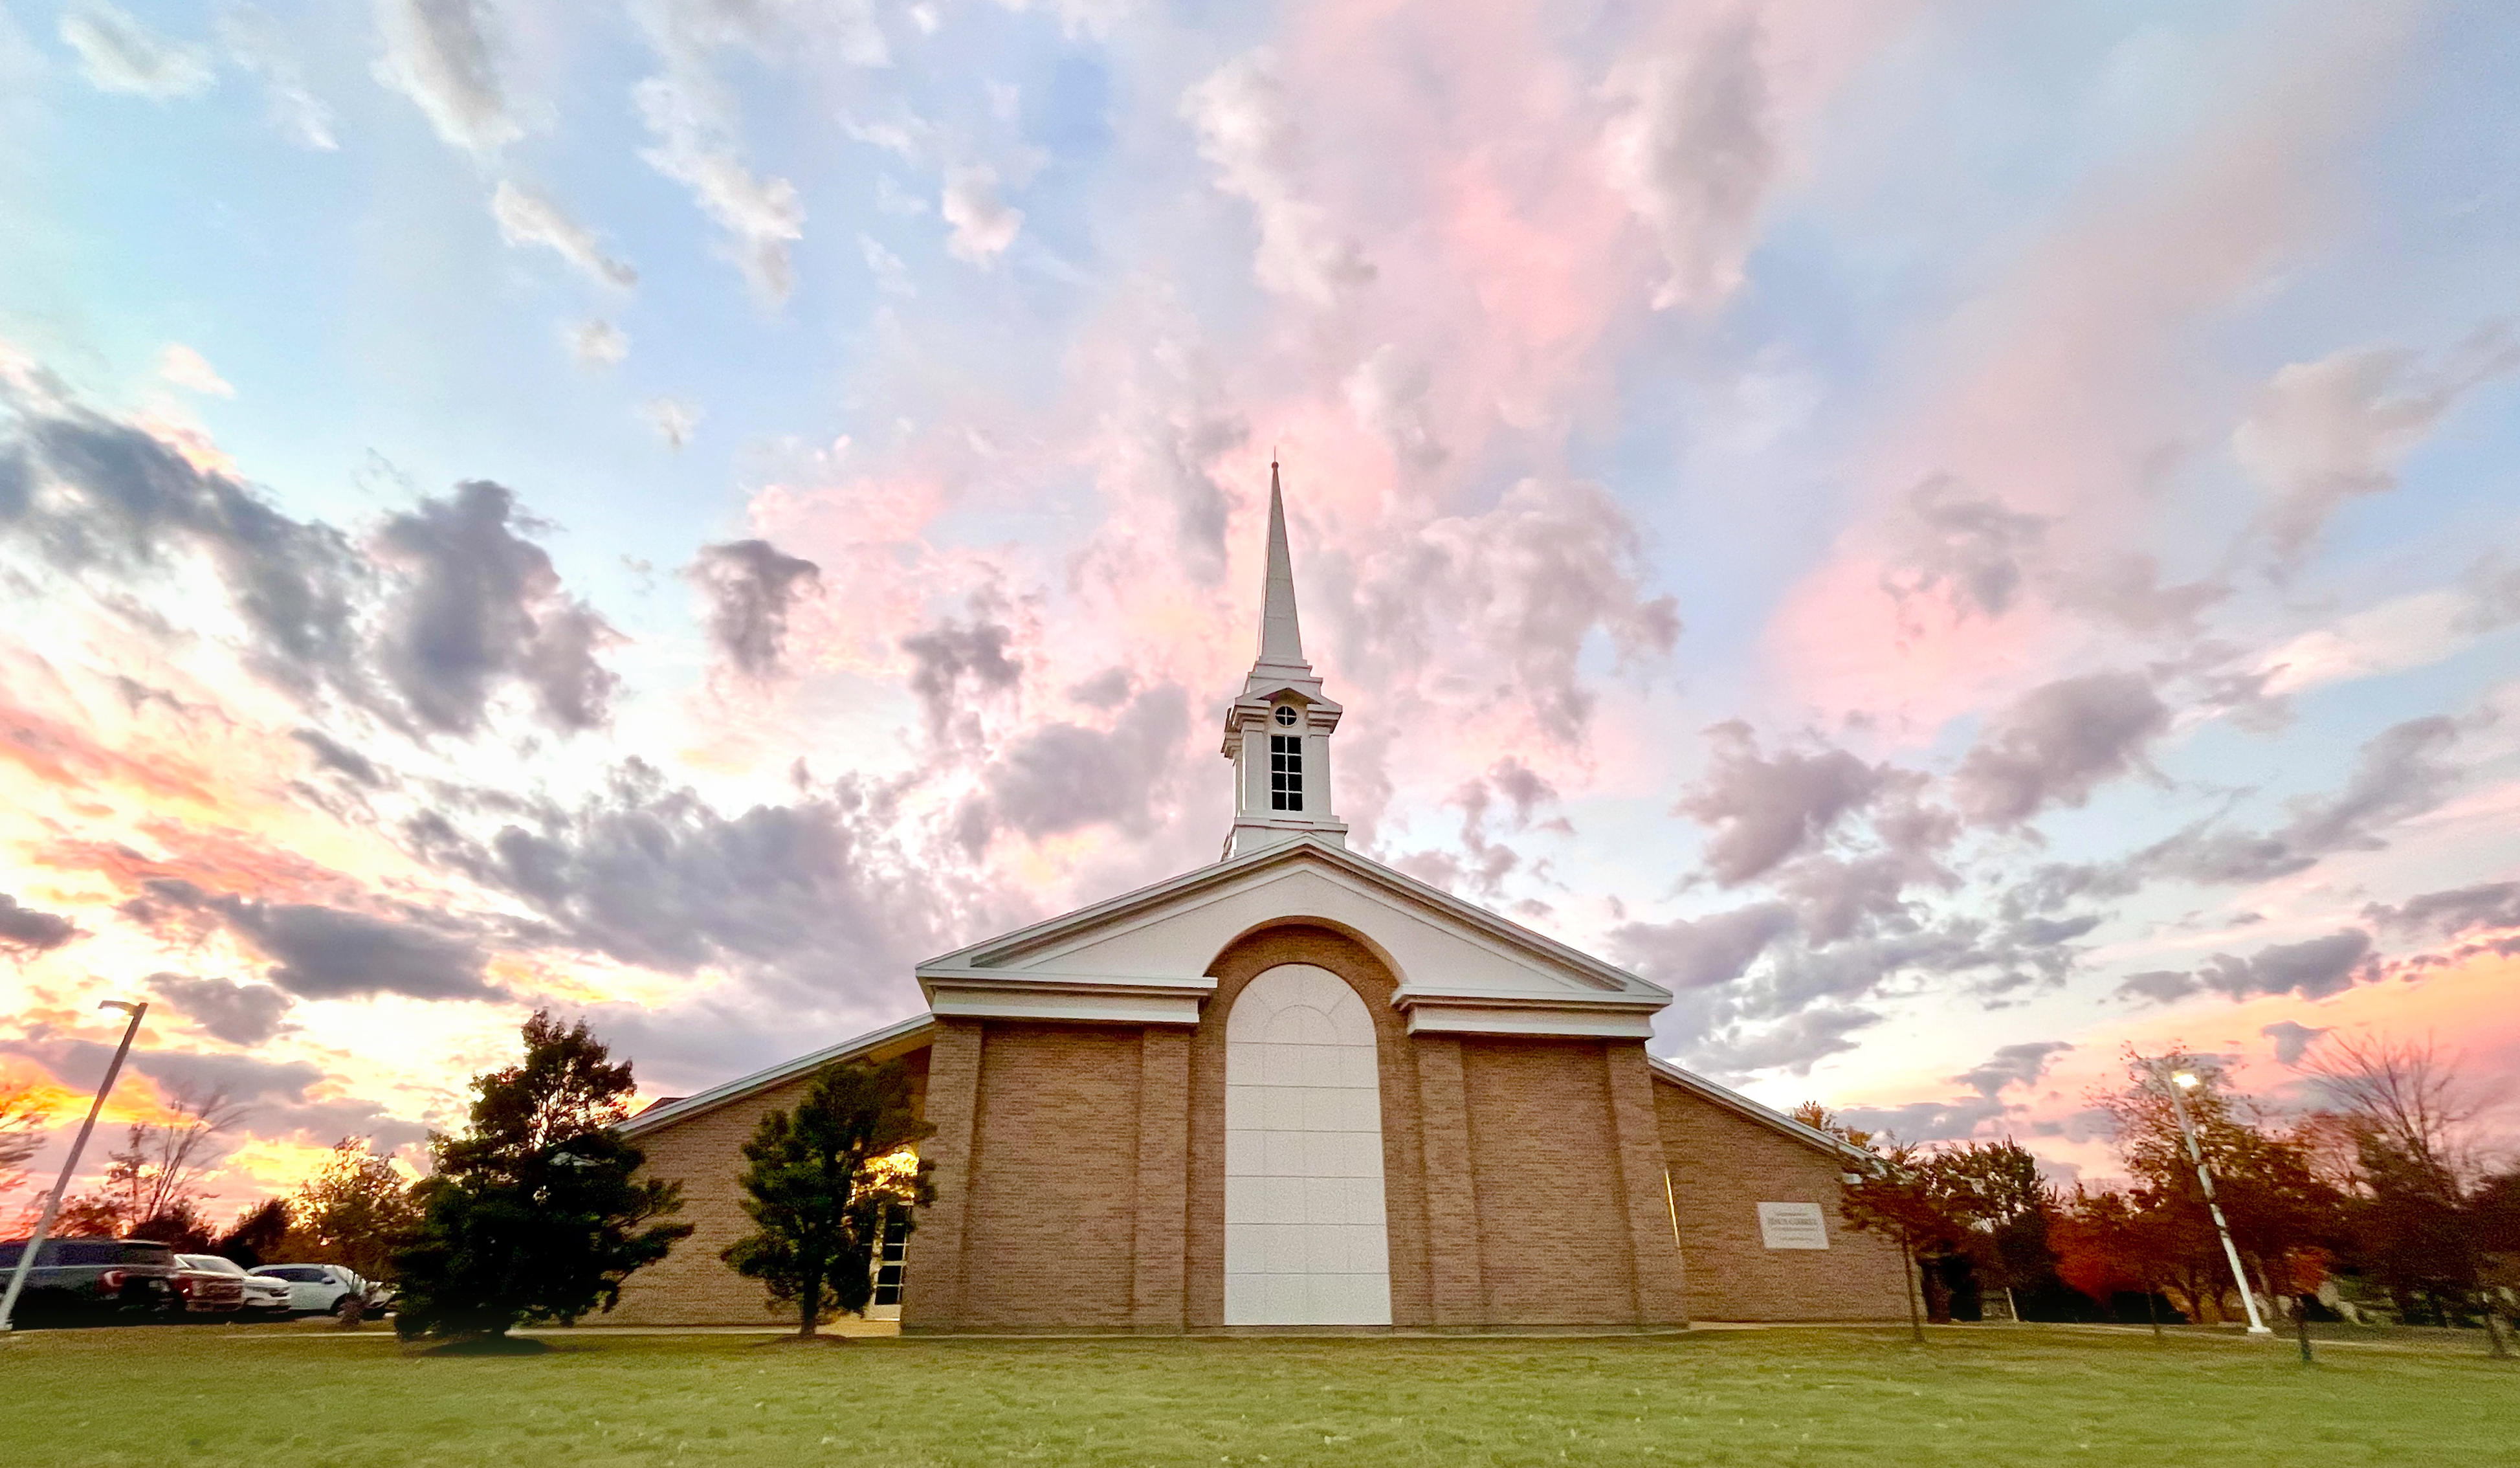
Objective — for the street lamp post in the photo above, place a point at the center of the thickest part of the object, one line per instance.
(70, 1169)
(2175, 1083)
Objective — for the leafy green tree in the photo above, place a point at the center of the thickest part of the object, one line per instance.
(1899, 1195)
(355, 1210)
(535, 1213)
(823, 1181)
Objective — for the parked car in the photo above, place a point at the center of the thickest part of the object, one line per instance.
(95, 1281)
(322, 1289)
(257, 1295)
(207, 1292)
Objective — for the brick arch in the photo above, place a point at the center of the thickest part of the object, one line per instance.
(1309, 942)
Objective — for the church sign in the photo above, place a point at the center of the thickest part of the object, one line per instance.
(1792, 1226)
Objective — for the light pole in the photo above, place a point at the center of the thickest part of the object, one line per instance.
(70, 1169)
(2175, 1083)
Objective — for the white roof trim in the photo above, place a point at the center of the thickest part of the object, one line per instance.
(761, 1080)
(1742, 1106)
(990, 953)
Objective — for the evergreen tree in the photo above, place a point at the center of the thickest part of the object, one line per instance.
(822, 1183)
(255, 1239)
(536, 1212)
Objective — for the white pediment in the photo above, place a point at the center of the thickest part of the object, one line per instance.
(1461, 968)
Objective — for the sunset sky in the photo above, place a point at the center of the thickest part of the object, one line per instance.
(1958, 537)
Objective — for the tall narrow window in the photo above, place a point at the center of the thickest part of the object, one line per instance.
(1286, 772)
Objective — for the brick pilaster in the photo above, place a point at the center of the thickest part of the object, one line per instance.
(1661, 1298)
(931, 1296)
(1156, 1297)
(1452, 1207)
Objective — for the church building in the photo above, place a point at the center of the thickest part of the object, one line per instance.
(1298, 1089)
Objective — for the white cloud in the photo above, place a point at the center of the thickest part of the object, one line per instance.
(1689, 148)
(1246, 129)
(185, 368)
(890, 274)
(438, 53)
(673, 419)
(983, 225)
(528, 219)
(256, 41)
(694, 120)
(2325, 431)
(598, 343)
(119, 54)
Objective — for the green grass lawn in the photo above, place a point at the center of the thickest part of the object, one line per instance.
(279, 1397)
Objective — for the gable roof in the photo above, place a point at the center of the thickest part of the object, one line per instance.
(897, 1039)
(1009, 949)
(1751, 1111)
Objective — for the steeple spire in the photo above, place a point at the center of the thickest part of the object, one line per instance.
(1281, 638)
(1277, 733)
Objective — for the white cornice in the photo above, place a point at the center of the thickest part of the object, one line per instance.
(1559, 1013)
(984, 994)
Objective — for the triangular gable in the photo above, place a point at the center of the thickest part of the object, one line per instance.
(1461, 968)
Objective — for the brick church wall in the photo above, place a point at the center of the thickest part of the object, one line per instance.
(704, 1153)
(1049, 1236)
(1723, 1167)
(1553, 1238)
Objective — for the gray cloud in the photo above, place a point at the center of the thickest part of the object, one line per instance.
(1687, 954)
(25, 932)
(1794, 1045)
(1691, 147)
(480, 607)
(949, 655)
(1765, 810)
(460, 606)
(119, 54)
(2055, 744)
(439, 54)
(332, 755)
(2012, 1065)
(319, 952)
(2449, 914)
(750, 588)
(273, 1092)
(2313, 969)
(2292, 1041)
(1925, 1120)
(99, 494)
(1967, 546)
(1062, 776)
(812, 903)
(241, 1014)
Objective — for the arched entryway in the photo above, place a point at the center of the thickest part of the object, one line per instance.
(1305, 1239)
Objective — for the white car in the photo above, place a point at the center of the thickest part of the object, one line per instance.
(319, 1289)
(262, 1296)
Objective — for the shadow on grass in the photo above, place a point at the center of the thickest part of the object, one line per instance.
(492, 1345)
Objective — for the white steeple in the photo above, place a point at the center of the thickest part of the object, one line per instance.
(1277, 733)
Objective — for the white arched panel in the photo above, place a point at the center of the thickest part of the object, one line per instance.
(1305, 1239)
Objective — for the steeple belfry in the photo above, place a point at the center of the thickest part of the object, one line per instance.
(1277, 733)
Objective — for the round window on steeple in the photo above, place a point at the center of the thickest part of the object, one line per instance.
(1286, 716)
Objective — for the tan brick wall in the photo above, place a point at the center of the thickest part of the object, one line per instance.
(704, 1153)
(1723, 1166)
(1553, 1242)
(1049, 1237)
(1404, 1208)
